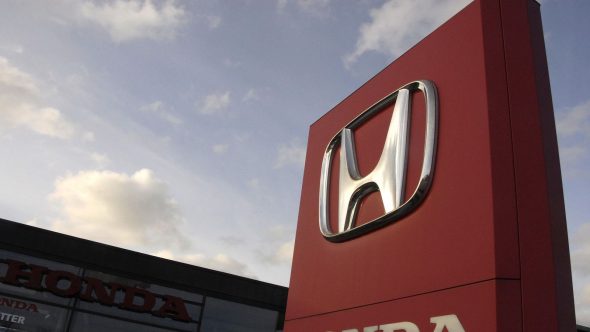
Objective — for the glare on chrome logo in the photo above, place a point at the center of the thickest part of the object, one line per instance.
(389, 175)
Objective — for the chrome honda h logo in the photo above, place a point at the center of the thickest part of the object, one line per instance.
(389, 176)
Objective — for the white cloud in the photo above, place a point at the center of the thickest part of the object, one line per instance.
(279, 248)
(46, 121)
(153, 107)
(580, 258)
(89, 136)
(281, 4)
(251, 95)
(219, 262)
(399, 24)
(575, 121)
(14, 48)
(581, 254)
(215, 103)
(314, 7)
(585, 298)
(583, 305)
(15, 79)
(101, 159)
(290, 154)
(231, 63)
(135, 19)
(20, 105)
(284, 254)
(220, 148)
(573, 129)
(213, 21)
(118, 209)
(33, 222)
(161, 110)
(570, 154)
(253, 183)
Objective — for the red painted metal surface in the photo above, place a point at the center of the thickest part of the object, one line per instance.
(466, 302)
(545, 269)
(489, 242)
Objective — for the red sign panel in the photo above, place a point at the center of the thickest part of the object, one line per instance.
(484, 246)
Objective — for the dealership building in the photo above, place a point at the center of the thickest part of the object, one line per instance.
(55, 282)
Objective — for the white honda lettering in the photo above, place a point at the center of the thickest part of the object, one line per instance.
(449, 322)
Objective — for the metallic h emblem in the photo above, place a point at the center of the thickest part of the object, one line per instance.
(389, 176)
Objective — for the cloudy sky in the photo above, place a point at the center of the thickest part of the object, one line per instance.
(178, 128)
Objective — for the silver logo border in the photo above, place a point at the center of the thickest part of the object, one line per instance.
(431, 100)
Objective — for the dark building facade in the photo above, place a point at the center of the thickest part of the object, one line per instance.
(55, 282)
